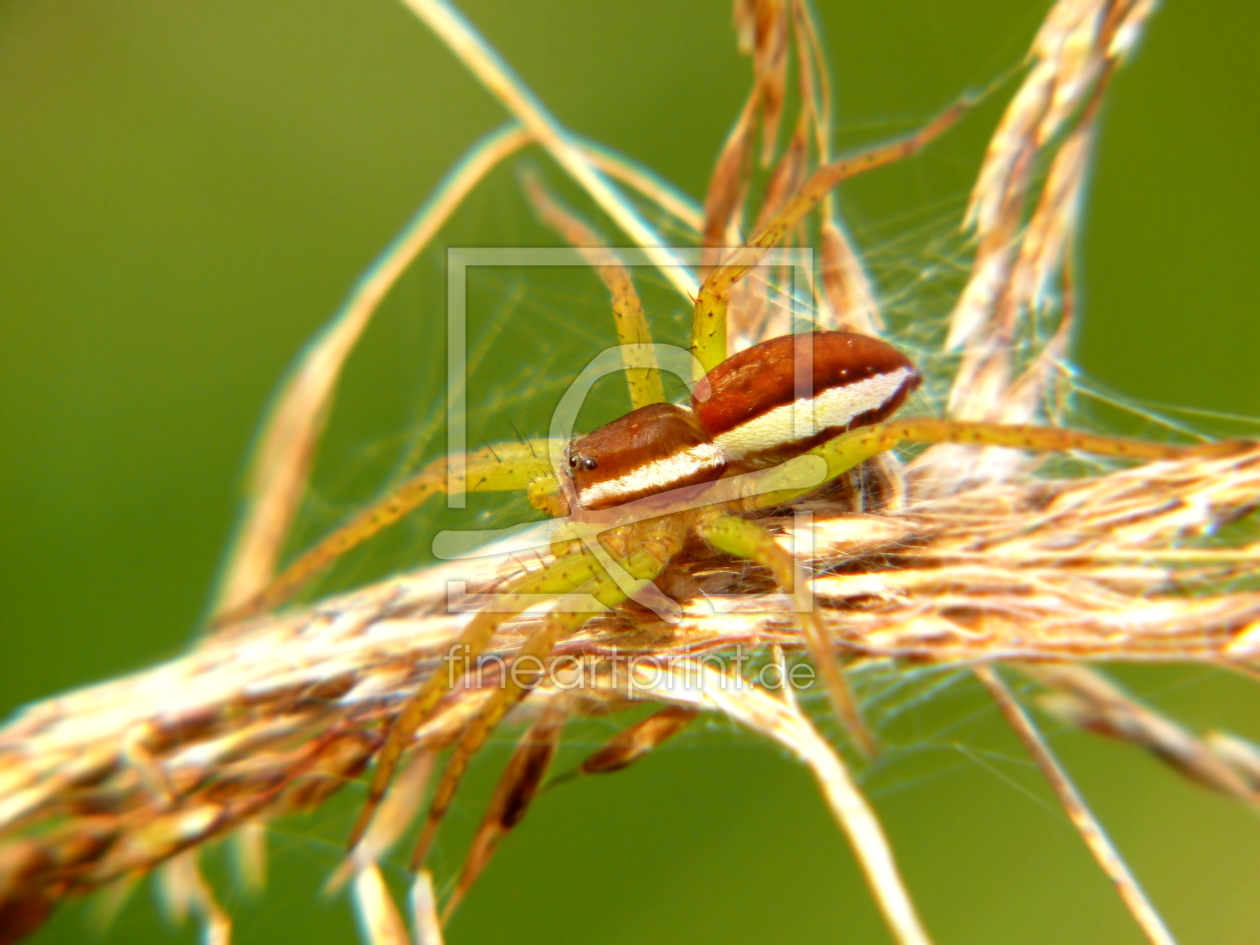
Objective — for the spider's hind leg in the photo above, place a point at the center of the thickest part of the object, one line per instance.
(745, 539)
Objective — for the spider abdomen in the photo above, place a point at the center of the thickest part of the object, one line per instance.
(783, 396)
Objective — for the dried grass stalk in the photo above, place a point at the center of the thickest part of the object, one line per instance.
(460, 37)
(1084, 821)
(424, 917)
(1083, 698)
(786, 724)
(283, 456)
(378, 916)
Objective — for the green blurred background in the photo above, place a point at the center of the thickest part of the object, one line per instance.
(188, 191)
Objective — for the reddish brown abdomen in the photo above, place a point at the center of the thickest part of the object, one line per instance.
(786, 395)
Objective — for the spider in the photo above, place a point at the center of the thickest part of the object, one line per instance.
(763, 428)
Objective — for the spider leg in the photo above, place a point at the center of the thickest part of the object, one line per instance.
(708, 328)
(633, 332)
(1049, 439)
(512, 467)
(745, 539)
(511, 689)
(560, 577)
(849, 449)
(643, 564)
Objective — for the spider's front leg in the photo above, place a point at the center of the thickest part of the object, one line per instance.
(507, 467)
(641, 550)
(708, 327)
(563, 576)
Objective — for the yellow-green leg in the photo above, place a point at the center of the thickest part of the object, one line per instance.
(563, 576)
(708, 326)
(749, 540)
(633, 332)
(848, 450)
(643, 565)
(509, 467)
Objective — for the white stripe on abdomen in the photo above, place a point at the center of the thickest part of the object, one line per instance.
(807, 417)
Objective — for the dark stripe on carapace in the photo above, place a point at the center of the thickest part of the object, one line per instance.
(648, 451)
(747, 387)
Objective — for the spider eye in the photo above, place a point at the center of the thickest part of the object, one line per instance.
(588, 462)
(573, 462)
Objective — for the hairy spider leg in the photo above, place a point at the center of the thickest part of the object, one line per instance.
(563, 576)
(643, 564)
(510, 690)
(507, 467)
(708, 327)
(633, 332)
(745, 539)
